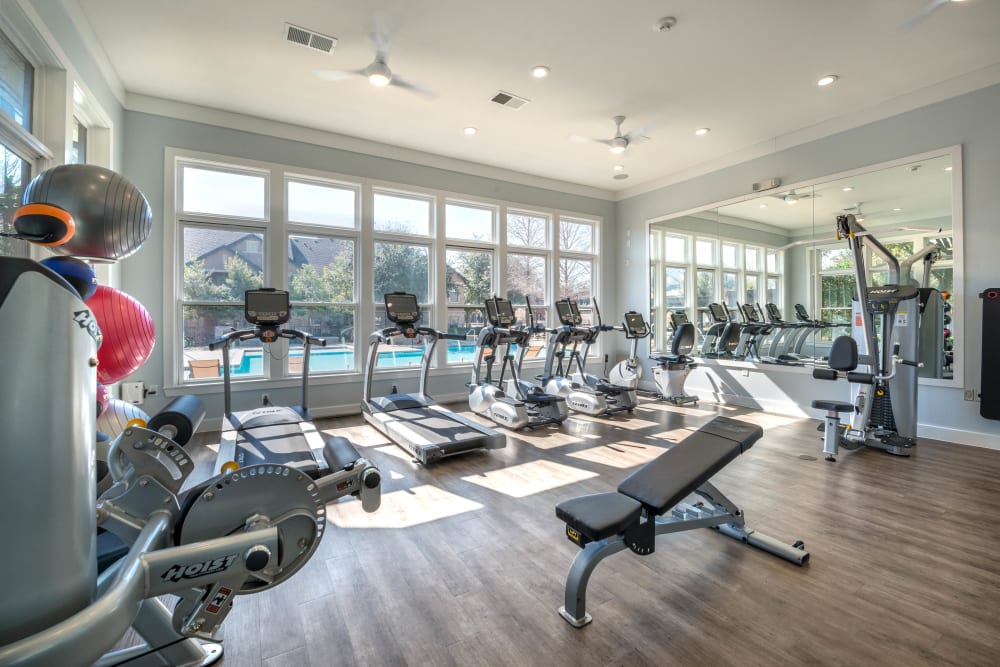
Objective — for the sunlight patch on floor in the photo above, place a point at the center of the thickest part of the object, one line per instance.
(624, 454)
(679, 409)
(548, 439)
(402, 509)
(674, 435)
(768, 420)
(526, 479)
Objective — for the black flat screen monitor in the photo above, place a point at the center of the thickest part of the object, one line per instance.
(719, 312)
(750, 313)
(266, 306)
(402, 308)
(565, 310)
(500, 312)
(635, 325)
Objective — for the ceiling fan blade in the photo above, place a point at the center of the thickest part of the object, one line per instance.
(586, 140)
(336, 75)
(638, 135)
(380, 35)
(413, 87)
(924, 14)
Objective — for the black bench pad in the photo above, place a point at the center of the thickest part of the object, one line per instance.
(340, 454)
(672, 476)
(599, 515)
(836, 406)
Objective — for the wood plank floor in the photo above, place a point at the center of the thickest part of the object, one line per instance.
(465, 562)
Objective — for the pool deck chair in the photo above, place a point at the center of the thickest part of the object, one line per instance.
(205, 368)
(649, 503)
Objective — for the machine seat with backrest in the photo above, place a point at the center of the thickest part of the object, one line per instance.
(843, 358)
(680, 346)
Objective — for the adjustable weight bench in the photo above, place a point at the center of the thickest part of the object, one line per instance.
(648, 503)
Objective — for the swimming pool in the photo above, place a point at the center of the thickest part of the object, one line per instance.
(342, 360)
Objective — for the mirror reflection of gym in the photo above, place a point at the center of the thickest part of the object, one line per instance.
(765, 279)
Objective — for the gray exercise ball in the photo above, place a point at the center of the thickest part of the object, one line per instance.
(112, 216)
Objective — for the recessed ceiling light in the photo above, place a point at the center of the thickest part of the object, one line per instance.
(620, 177)
(897, 209)
(859, 219)
(471, 130)
(827, 80)
(848, 188)
(947, 168)
(763, 205)
(540, 71)
(702, 131)
(619, 167)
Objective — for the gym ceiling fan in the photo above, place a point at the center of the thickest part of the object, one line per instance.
(620, 142)
(793, 197)
(377, 72)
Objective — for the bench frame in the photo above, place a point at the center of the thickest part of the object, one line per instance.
(719, 513)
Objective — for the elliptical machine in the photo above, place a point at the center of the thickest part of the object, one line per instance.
(618, 398)
(512, 402)
(672, 369)
(628, 372)
(884, 399)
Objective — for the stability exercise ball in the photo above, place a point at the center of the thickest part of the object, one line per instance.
(117, 415)
(76, 272)
(85, 211)
(128, 332)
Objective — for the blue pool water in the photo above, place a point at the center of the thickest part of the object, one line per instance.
(342, 360)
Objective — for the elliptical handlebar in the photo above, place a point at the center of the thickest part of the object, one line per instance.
(235, 334)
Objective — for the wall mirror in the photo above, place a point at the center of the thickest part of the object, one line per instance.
(770, 265)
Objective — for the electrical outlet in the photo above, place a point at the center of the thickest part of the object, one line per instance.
(152, 390)
(970, 394)
(265, 399)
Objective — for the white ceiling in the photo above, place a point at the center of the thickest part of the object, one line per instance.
(745, 69)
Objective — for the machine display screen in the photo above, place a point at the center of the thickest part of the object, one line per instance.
(678, 318)
(500, 312)
(775, 314)
(564, 309)
(750, 313)
(402, 308)
(266, 306)
(635, 324)
(719, 313)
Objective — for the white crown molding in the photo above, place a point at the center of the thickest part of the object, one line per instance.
(236, 121)
(93, 46)
(960, 85)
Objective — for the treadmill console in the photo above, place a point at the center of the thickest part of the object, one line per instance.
(569, 314)
(775, 315)
(718, 312)
(635, 325)
(402, 308)
(266, 306)
(499, 312)
(800, 312)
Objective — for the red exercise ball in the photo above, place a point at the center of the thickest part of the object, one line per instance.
(129, 333)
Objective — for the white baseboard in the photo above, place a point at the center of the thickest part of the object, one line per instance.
(960, 436)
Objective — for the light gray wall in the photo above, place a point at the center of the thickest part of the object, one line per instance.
(146, 138)
(971, 120)
(54, 15)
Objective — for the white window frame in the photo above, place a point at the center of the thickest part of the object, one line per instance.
(278, 229)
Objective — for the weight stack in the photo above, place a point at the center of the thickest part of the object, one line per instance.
(989, 406)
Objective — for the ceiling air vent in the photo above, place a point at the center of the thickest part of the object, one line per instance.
(309, 39)
(508, 100)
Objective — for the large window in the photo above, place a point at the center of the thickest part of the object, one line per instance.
(836, 286)
(16, 174)
(17, 78)
(338, 245)
(691, 271)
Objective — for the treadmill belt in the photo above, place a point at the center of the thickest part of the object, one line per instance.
(430, 427)
(283, 444)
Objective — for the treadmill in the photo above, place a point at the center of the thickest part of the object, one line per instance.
(414, 421)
